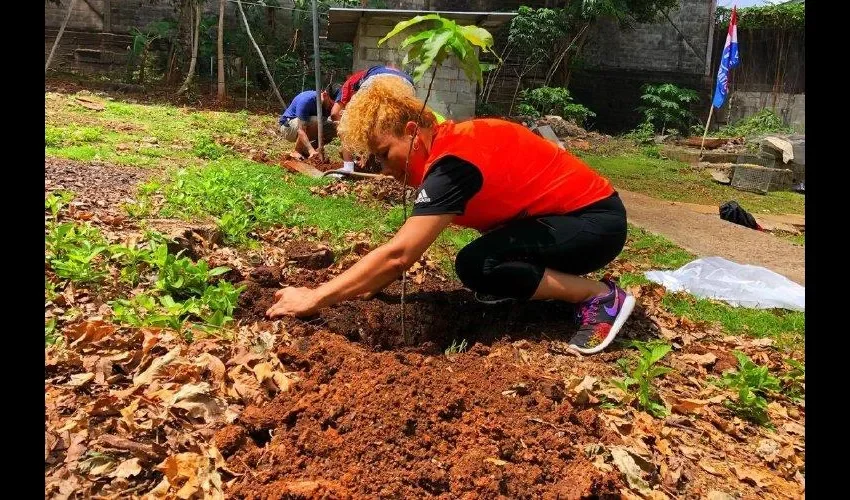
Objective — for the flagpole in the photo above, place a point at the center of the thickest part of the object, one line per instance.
(705, 133)
(731, 58)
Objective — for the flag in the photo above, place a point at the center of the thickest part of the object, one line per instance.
(728, 60)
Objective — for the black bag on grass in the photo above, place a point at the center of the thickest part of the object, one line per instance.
(732, 212)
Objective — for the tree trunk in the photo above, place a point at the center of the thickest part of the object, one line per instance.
(195, 38)
(516, 91)
(59, 35)
(493, 76)
(260, 53)
(569, 71)
(560, 58)
(222, 92)
(144, 61)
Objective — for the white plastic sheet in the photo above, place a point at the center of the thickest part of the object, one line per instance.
(737, 284)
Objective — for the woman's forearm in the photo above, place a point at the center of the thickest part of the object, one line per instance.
(371, 273)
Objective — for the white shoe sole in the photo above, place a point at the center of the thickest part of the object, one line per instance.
(622, 316)
(492, 302)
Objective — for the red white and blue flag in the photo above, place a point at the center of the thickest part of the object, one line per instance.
(728, 60)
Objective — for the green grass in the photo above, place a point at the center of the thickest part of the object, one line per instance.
(676, 181)
(649, 251)
(245, 196)
(153, 135)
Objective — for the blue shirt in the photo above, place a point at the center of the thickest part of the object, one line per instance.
(384, 70)
(303, 106)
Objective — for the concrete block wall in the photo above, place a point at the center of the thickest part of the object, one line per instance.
(452, 94)
(90, 15)
(740, 104)
(83, 17)
(658, 46)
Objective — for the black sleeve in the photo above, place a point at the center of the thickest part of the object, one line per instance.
(447, 187)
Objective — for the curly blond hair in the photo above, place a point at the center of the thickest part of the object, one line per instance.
(383, 107)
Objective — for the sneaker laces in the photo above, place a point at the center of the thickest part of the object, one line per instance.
(589, 310)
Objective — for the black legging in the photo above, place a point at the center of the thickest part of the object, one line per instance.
(510, 261)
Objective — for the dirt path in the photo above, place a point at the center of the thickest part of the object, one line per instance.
(708, 235)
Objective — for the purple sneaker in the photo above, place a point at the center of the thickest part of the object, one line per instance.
(601, 318)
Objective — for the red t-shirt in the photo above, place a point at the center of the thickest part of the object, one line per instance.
(519, 174)
(348, 88)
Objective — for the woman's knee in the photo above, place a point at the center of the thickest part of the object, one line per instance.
(470, 268)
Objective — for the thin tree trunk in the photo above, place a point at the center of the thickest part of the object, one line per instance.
(569, 71)
(144, 60)
(516, 91)
(493, 75)
(197, 35)
(59, 35)
(560, 58)
(222, 92)
(260, 53)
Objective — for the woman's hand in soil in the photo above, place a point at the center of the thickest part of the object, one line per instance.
(294, 302)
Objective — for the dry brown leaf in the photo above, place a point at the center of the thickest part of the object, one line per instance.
(98, 465)
(77, 447)
(663, 446)
(156, 366)
(215, 367)
(128, 414)
(152, 336)
(80, 379)
(160, 490)
(103, 370)
(284, 381)
(79, 421)
(183, 468)
(762, 342)
(50, 442)
(629, 464)
(795, 428)
(751, 476)
(709, 468)
(195, 474)
(706, 359)
(692, 453)
(88, 331)
(263, 371)
(196, 400)
(719, 495)
(583, 390)
(127, 469)
(687, 406)
(673, 473)
(245, 386)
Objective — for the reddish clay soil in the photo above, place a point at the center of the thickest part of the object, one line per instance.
(402, 425)
(437, 313)
(323, 165)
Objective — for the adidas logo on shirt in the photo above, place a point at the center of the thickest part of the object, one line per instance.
(422, 197)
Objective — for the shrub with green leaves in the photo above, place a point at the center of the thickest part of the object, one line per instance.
(553, 101)
(206, 148)
(181, 277)
(753, 383)
(765, 121)
(667, 105)
(641, 372)
(56, 201)
(76, 252)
